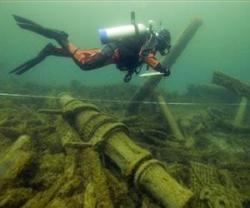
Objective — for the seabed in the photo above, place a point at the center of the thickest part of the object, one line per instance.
(46, 159)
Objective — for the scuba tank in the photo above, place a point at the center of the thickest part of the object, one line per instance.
(121, 32)
(108, 35)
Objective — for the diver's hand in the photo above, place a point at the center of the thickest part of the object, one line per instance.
(166, 71)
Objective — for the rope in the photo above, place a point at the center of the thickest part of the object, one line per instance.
(15, 95)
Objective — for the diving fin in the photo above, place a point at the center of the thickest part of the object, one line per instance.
(46, 32)
(27, 65)
(46, 51)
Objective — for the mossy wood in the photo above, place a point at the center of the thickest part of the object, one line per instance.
(15, 159)
(169, 118)
(113, 139)
(241, 112)
(240, 88)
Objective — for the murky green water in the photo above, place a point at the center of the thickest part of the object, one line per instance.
(221, 43)
(201, 135)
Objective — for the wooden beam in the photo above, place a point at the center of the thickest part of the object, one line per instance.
(240, 88)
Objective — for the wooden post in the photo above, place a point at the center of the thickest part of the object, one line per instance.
(241, 112)
(166, 61)
(168, 116)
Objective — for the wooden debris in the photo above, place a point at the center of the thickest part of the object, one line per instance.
(240, 88)
(132, 160)
(14, 160)
(241, 112)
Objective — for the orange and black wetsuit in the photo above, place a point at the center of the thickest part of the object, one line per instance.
(127, 55)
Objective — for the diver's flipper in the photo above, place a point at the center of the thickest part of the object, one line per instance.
(46, 32)
(46, 51)
(27, 65)
(24, 20)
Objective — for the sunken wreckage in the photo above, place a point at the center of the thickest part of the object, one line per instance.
(112, 138)
(97, 129)
(87, 133)
(89, 138)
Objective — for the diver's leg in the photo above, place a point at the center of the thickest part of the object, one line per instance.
(60, 36)
(94, 62)
(86, 62)
(93, 58)
(48, 50)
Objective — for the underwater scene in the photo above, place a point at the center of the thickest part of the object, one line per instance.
(127, 104)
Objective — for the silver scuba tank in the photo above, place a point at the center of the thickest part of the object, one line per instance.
(121, 32)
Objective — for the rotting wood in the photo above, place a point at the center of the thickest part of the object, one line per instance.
(241, 112)
(239, 88)
(169, 118)
(112, 139)
(16, 158)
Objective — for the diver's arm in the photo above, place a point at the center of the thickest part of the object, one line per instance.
(154, 63)
(150, 60)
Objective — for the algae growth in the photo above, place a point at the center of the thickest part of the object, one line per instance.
(163, 149)
(43, 165)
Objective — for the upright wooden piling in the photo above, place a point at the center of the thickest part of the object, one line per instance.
(240, 114)
(170, 120)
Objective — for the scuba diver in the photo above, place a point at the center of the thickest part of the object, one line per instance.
(129, 47)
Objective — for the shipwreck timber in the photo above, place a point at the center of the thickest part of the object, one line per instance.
(112, 138)
(15, 159)
(232, 84)
(239, 88)
(169, 118)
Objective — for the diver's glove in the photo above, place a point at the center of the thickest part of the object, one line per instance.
(166, 71)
